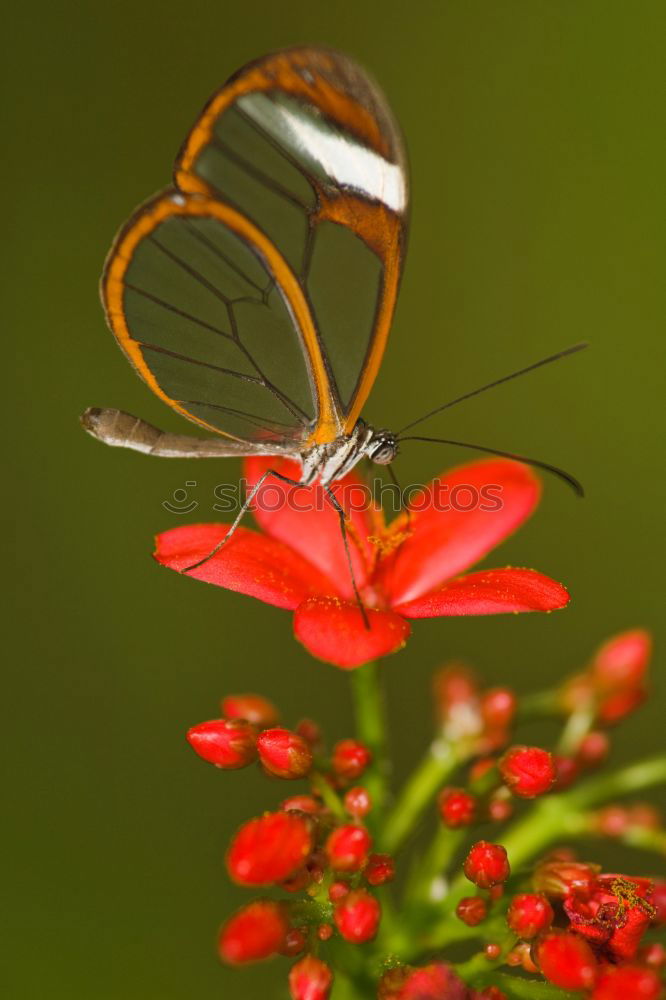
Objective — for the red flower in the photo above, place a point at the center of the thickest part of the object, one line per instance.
(409, 569)
(256, 931)
(614, 915)
(269, 849)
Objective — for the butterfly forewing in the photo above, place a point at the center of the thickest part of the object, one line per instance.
(200, 315)
(271, 328)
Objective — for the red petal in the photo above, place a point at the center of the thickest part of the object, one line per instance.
(501, 495)
(249, 563)
(490, 592)
(314, 530)
(334, 631)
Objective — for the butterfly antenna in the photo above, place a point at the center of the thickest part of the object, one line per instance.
(570, 480)
(499, 381)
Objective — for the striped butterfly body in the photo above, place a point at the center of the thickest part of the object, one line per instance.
(256, 295)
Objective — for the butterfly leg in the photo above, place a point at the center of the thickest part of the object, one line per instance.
(337, 507)
(239, 517)
(396, 483)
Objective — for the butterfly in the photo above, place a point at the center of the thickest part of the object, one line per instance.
(255, 295)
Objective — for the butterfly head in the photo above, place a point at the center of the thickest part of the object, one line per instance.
(383, 447)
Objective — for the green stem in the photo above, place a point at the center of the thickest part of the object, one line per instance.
(369, 711)
(426, 878)
(345, 988)
(477, 969)
(576, 729)
(530, 989)
(438, 765)
(540, 704)
(330, 798)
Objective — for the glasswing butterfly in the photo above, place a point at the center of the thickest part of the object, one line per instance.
(255, 295)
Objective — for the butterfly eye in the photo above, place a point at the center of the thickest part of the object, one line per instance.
(384, 448)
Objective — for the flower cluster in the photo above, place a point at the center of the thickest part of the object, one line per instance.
(498, 883)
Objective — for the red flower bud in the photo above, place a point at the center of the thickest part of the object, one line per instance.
(620, 982)
(227, 744)
(654, 954)
(284, 754)
(433, 982)
(256, 931)
(301, 879)
(350, 759)
(560, 877)
(454, 684)
(357, 916)
(492, 951)
(486, 864)
(567, 770)
(622, 661)
(379, 869)
(294, 943)
(529, 914)
(251, 707)
(472, 910)
(612, 821)
(480, 768)
(325, 932)
(347, 847)
(566, 960)
(498, 707)
(500, 806)
(490, 993)
(456, 807)
(269, 849)
(527, 771)
(338, 891)
(357, 801)
(301, 803)
(311, 733)
(617, 706)
(594, 749)
(310, 979)
(521, 954)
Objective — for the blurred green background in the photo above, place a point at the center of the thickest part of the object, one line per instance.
(535, 129)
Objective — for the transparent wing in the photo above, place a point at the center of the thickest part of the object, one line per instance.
(303, 143)
(191, 294)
